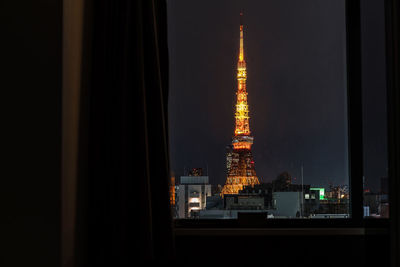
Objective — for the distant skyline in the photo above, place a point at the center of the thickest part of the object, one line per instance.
(296, 85)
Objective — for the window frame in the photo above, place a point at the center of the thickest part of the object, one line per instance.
(356, 221)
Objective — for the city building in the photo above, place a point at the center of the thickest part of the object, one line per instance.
(296, 201)
(214, 202)
(278, 198)
(376, 204)
(196, 172)
(243, 202)
(216, 189)
(372, 201)
(335, 200)
(383, 208)
(287, 204)
(321, 192)
(240, 162)
(338, 192)
(172, 190)
(172, 194)
(191, 195)
(264, 190)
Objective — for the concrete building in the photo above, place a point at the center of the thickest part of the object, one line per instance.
(214, 202)
(191, 195)
(280, 199)
(290, 203)
(244, 202)
(287, 204)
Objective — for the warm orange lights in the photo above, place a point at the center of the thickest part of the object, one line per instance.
(241, 171)
(246, 180)
(172, 191)
(242, 108)
(241, 53)
(234, 184)
(242, 145)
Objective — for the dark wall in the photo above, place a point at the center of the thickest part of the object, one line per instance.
(30, 125)
(330, 250)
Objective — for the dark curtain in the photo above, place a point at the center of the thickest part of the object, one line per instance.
(123, 212)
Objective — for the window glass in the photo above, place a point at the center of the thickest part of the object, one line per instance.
(258, 108)
(374, 110)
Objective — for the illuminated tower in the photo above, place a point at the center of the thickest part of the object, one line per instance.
(241, 170)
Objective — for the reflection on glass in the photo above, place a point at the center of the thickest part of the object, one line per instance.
(376, 203)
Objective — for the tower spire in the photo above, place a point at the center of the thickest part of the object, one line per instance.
(242, 109)
(241, 50)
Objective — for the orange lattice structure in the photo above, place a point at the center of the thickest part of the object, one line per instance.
(241, 171)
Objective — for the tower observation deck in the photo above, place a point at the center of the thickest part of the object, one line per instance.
(241, 171)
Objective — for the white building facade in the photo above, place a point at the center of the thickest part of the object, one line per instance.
(191, 195)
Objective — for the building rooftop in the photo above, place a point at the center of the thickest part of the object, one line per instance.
(194, 179)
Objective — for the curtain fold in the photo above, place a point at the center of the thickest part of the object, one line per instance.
(123, 212)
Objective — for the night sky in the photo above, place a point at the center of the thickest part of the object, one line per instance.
(296, 64)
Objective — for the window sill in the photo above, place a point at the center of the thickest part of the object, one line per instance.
(349, 231)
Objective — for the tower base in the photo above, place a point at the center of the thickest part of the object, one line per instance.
(236, 183)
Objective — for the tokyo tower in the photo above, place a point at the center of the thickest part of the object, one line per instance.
(241, 171)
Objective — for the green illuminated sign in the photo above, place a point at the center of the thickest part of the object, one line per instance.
(321, 192)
